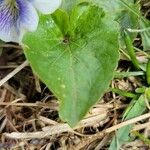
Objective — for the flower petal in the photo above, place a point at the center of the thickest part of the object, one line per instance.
(8, 31)
(15, 19)
(10, 35)
(46, 6)
(28, 16)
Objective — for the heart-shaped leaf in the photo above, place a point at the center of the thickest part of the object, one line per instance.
(77, 67)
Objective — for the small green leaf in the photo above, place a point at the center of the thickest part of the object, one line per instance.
(78, 67)
(122, 135)
(142, 137)
(79, 19)
(147, 94)
(61, 18)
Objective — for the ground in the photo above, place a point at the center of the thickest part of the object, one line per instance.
(29, 111)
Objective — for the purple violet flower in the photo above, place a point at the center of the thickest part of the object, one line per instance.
(19, 16)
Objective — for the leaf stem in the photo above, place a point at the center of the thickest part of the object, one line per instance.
(123, 93)
(128, 74)
(148, 72)
(130, 50)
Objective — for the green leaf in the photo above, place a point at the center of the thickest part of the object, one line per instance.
(145, 34)
(109, 5)
(128, 18)
(142, 137)
(126, 12)
(122, 135)
(78, 67)
(61, 19)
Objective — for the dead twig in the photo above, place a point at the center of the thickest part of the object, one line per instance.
(57, 128)
(60, 128)
(15, 71)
